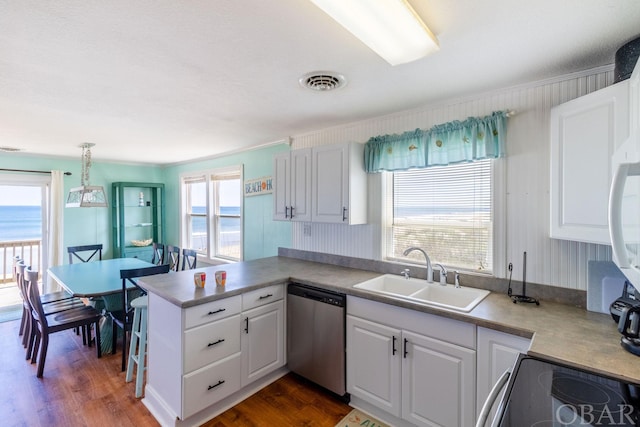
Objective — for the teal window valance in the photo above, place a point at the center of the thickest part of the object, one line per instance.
(475, 138)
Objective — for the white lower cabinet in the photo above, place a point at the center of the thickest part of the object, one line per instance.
(374, 363)
(414, 366)
(262, 341)
(497, 353)
(438, 381)
(200, 355)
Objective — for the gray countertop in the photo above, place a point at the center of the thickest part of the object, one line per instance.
(561, 333)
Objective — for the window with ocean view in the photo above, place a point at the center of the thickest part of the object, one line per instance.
(447, 211)
(20, 227)
(212, 213)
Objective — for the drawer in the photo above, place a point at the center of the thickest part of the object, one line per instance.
(144, 253)
(206, 386)
(211, 342)
(212, 311)
(262, 296)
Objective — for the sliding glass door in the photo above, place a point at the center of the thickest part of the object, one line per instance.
(23, 228)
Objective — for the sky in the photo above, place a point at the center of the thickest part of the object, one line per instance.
(20, 195)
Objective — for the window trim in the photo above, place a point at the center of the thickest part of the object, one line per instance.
(498, 195)
(212, 218)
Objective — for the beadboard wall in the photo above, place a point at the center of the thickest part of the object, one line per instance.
(526, 196)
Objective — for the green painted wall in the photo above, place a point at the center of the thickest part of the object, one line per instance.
(262, 235)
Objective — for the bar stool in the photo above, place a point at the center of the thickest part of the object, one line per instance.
(138, 342)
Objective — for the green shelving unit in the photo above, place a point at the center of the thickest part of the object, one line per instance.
(137, 215)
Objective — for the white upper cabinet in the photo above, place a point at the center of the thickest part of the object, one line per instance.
(292, 193)
(585, 132)
(321, 184)
(339, 184)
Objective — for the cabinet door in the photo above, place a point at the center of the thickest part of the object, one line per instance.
(330, 184)
(497, 352)
(585, 132)
(438, 382)
(373, 363)
(281, 180)
(262, 343)
(300, 185)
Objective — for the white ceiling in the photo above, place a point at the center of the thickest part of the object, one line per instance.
(166, 81)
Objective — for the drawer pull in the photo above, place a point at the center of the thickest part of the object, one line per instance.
(220, 310)
(211, 344)
(215, 385)
(265, 296)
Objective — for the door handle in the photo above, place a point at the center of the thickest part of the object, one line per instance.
(493, 395)
(291, 216)
(246, 325)
(286, 211)
(393, 346)
(406, 341)
(344, 214)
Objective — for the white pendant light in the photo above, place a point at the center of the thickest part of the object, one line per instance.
(86, 196)
(391, 28)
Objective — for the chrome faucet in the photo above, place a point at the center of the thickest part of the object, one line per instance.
(443, 274)
(429, 268)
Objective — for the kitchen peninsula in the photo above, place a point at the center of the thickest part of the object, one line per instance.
(560, 333)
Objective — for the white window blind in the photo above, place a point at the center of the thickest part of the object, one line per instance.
(447, 211)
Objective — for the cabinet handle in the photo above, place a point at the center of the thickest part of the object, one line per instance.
(265, 296)
(215, 385)
(286, 211)
(211, 344)
(393, 346)
(220, 310)
(405, 348)
(246, 325)
(344, 214)
(291, 215)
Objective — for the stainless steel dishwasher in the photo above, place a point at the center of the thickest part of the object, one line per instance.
(316, 336)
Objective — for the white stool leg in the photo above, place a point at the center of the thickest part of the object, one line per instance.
(142, 351)
(133, 344)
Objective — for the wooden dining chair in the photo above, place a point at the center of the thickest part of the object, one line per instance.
(123, 318)
(48, 308)
(44, 325)
(189, 258)
(85, 253)
(158, 254)
(173, 257)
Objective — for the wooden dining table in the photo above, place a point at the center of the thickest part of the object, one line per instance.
(98, 280)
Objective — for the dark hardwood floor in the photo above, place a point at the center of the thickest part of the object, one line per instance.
(78, 389)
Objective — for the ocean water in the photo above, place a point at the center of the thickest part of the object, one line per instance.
(20, 223)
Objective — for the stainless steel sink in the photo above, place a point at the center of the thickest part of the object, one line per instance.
(417, 290)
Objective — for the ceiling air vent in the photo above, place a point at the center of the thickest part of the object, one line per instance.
(323, 81)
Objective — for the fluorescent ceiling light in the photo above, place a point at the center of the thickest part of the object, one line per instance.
(391, 28)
